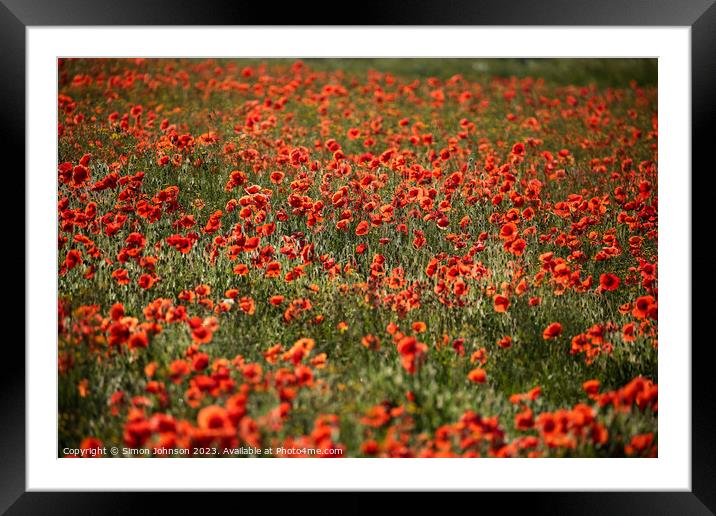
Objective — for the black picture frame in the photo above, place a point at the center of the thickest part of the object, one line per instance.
(699, 15)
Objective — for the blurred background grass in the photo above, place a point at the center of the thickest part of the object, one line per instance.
(604, 72)
(601, 71)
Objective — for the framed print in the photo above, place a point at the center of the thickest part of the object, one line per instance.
(428, 244)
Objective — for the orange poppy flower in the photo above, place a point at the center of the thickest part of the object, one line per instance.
(371, 342)
(419, 327)
(500, 303)
(362, 228)
(477, 375)
(213, 417)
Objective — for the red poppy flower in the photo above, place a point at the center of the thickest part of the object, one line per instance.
(552, 331)
(609, 281)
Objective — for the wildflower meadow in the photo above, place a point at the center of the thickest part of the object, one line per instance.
(357, 258)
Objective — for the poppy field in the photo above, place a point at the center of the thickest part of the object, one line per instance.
(339, 258)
